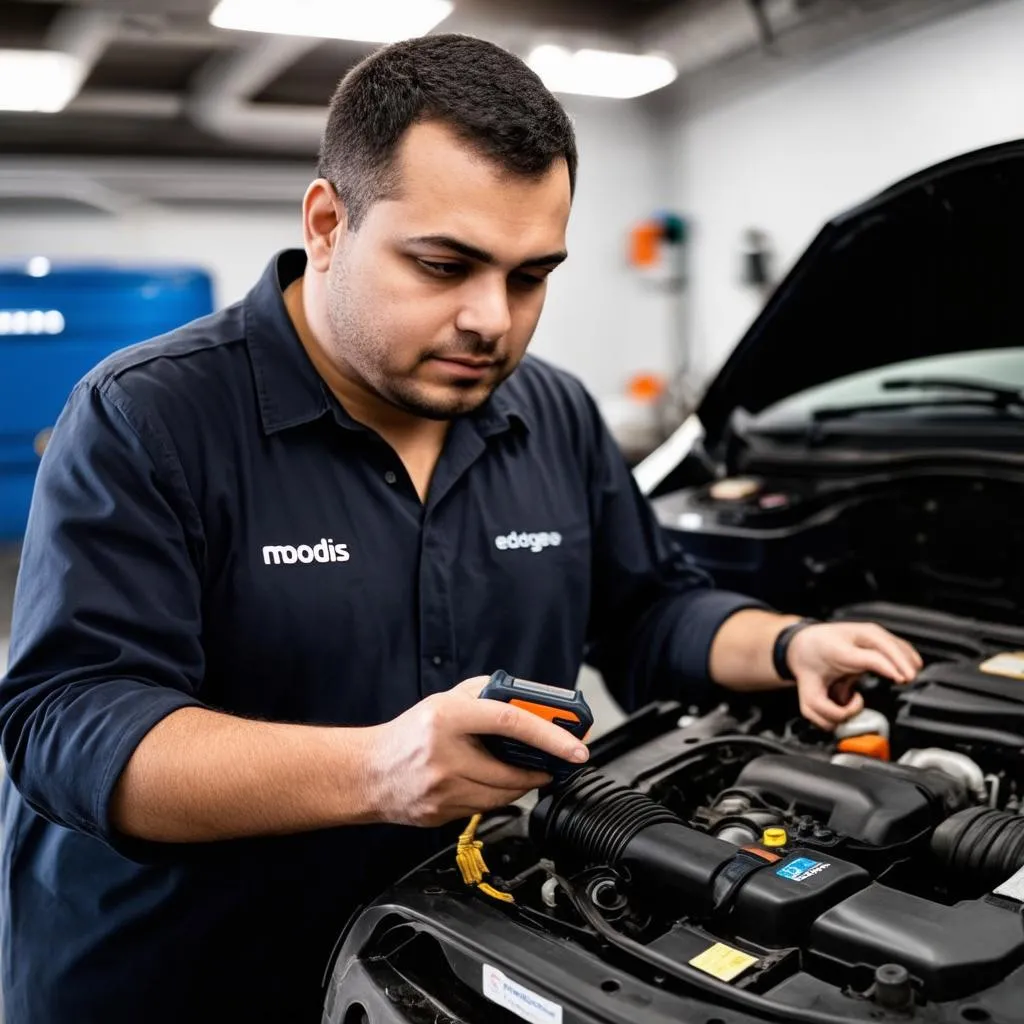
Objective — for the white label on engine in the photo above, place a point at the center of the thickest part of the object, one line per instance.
(521, 1001)
(1013, 887)
(1009, 663)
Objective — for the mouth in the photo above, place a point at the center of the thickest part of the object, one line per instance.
(465, 366)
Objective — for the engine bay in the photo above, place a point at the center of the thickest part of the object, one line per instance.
(779, 872)
(937, 534)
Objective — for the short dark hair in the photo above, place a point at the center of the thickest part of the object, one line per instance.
(487, 95)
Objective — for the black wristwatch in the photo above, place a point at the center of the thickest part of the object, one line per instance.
(780, 652)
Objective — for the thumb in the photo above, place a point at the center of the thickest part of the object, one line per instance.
(471, 687)
(851, 705)
(817, 704)
(844, 691)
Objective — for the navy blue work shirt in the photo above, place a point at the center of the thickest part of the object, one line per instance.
(210, 528)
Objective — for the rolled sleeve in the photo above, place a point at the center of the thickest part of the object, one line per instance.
(106, 632)
(653, 614)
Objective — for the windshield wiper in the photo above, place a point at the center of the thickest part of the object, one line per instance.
(998, 394)
(978, 393)
(838, 412)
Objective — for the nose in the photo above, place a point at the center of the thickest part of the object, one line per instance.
(485, 308)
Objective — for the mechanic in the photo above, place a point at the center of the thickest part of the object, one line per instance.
(265, 548)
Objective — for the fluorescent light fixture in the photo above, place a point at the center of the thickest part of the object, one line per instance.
(38, 81)
(365, 21)
(621, 76)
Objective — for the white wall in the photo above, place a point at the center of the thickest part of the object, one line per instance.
(601, 321)
(234, 245)
(787, 157)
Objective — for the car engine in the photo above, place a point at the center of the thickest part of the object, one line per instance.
(737, 858)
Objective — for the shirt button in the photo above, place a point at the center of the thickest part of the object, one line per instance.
(390, 477)
(437, 659)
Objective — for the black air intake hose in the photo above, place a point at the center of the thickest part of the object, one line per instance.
(593, 819)
(982, 846)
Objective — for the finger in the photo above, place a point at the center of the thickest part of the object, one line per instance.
(913, 654)
(873, 636)
(853, 707)
(490, 771)
(869, 659)
(815, 718)
(484, 799)
(845, 695)
(491, 717)
(903, 654)
(842, 691)
(471, 687)
(820, 709)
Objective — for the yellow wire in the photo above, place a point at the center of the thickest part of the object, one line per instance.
(470, 861)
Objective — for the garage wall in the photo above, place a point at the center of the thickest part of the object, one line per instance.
(786, 157)
(601, 321)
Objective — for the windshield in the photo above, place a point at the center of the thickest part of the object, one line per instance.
(1004, 367)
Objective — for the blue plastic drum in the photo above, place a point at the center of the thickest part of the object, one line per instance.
(56, 323)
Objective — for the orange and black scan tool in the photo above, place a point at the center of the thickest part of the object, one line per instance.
(567, 708)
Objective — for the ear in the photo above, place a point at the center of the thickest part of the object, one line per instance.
(324, 223)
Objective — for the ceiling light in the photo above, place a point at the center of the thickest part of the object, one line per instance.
(38, 81)
(620, 76)
(366, 21)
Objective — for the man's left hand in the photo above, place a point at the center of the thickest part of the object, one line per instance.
(829, 658)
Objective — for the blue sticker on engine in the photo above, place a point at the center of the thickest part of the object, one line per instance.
(802, 868)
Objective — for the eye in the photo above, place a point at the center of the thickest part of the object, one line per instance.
(529, 280)
(441, 269)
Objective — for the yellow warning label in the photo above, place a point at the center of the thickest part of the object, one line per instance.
(1009, 663)
(723, 962)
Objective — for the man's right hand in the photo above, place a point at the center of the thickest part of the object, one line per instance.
(428, 766)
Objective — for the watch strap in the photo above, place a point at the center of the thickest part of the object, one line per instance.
(780, 650)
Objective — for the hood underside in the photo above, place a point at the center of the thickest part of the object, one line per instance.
(930, 266)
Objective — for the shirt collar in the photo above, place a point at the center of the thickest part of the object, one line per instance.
(289, 389)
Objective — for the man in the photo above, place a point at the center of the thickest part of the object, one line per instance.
(265, 548)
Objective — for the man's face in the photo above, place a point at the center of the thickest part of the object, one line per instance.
(434, 299)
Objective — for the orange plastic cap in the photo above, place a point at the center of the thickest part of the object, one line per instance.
(868, 745)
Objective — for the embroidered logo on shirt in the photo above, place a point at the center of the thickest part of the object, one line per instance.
(534, 542)
(288, 554)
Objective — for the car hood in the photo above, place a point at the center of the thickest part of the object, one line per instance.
(931, 265)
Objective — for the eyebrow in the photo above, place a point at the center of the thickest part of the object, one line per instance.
(481, 256)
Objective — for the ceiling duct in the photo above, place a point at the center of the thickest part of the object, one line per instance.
(220, 102)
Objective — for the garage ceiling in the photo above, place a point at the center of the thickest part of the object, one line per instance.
(165, 83)
(157, 55)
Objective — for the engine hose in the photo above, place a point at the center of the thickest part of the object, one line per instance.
(592, 819)
(595, 817)
(981, 845)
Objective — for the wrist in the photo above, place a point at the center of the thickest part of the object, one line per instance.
(782, 647)
(359, 775)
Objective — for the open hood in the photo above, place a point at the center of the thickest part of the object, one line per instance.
(930, 266)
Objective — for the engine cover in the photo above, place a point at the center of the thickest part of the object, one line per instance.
(953, 951)
(876, 808)
(962, 704)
